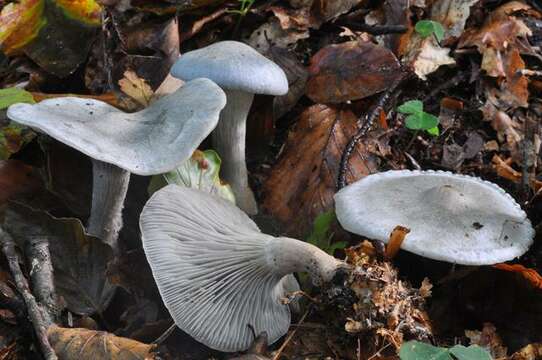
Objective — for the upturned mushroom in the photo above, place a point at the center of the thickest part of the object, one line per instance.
(242, 72)
(152, 141)
(454, 218)
(217, 273)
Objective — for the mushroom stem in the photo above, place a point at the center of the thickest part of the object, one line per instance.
(109, 187)
(229, 142)
(290, 255)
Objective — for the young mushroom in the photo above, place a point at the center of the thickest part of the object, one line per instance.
(152, 141)
(218, 275)
(454, 218)
(242, 72)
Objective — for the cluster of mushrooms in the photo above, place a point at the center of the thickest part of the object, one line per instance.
(217, 273)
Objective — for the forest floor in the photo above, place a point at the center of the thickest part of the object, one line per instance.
(473, 68)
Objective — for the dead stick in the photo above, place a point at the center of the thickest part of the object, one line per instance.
(41, 274)
(369, 120)
(39, 320)
(289, 338)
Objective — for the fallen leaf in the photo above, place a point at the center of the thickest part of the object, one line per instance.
(84, 344)
(151, 48)
(428, 56)
(530, 274)
(499, 41)
(529, 352)
(12, 138)
(326, 10)
(272, 34)
(350, 71)
(136, 88)
(397, 237)
(56, 34)
(17, 178)
(452, 14)
(79, 261)
(14, 95)
(201, 172)
(425, 288)
(488, 338)
(302, 183)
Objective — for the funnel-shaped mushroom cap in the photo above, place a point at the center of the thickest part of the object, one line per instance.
(454, 218)
(152, 141)
(233, 65)
(217, 273)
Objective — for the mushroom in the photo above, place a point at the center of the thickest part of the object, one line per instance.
(217, 273)
(242, 72)
(454, 218)
(152, 141)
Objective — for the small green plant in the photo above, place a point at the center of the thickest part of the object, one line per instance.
(429, 27)
(244, 7)
(418, 119)
(320, 235)
(416, 350)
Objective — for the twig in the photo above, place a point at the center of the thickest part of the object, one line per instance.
(289, 338)
(374, 29)
(41, 274)
(165, 335)
(369, 120)
(39, 319)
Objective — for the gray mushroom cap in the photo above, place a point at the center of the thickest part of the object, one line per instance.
(152, 141)
(217, 273)
(454, 218)
(233, 65)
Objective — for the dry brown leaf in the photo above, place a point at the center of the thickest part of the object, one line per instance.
(426, 288)
(427, 56)
(529, 352)
(397, 237)
(302, 184)
(16, 178)
(136, 88)
(452, 14)
(350, 71)
(488, 338)
(84, 344)
(272, 34)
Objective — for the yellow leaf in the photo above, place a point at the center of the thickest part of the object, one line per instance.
(136, 88)
(20, 23)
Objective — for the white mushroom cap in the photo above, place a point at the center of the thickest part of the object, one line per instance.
(454, 218)
(217, 273)
(233, 65)
(152, 141)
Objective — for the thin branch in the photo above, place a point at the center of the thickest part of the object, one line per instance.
(41, 274)
(369, 120)
(289, 338)
(40, 320)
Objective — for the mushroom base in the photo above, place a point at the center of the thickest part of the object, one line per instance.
(109, 187)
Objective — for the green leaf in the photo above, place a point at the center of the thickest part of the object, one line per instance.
(472, 352)
(416, 350)
(429, 121)
(428, 27)
(14, 95)
(319, 234)
(411, 107)
(201, 171)
(422, 121)
(433, 131)
(339, 245)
